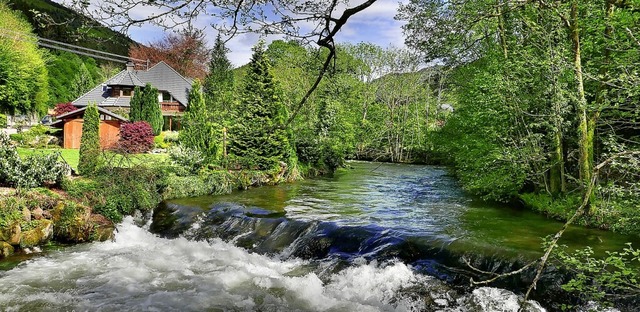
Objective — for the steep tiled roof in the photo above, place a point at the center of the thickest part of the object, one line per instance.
(80, 111)
(165, 78)
(160, 76)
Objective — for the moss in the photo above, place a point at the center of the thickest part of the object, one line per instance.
(6, 250)
(40, 234)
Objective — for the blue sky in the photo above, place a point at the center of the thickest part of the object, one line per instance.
(375, 25)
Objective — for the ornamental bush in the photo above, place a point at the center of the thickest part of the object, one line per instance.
(33, 171)
(136, 137)
(63, 108)
(3, 121)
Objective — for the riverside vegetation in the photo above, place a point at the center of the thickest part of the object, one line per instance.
(533, 113)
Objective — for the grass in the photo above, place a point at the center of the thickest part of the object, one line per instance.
(71, 156)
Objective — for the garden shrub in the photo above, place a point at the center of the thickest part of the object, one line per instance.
(171, 137)
(90, 141)
(33, 171)
(3, 121)
(186, 158)
(116, 192)
(63, 108)
(159, 141)
(136, 137)
(37, 137)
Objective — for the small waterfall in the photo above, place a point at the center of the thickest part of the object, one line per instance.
(140, 271)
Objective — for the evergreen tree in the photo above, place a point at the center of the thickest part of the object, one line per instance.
(150, 109)
(198, 130)
(82, 81)
(260, 138)
(90, 141)
(135, 106)
(218, 84)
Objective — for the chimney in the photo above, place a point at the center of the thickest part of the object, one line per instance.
(130, 66)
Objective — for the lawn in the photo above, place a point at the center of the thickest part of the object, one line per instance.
(71, 157)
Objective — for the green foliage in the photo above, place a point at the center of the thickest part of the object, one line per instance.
(602, 279)
(70, 76)
(135, 105)
(23, 74)
(557, 208)
(36, 137)
(33, 171)
(259, 139)
(57, 22)
(144, 106)
(219, 83)
(90, 141)
(189, 159)
(199, 132)
(3, 121)
(151, 111)
(116, 192)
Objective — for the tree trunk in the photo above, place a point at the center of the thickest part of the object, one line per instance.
(585, 141)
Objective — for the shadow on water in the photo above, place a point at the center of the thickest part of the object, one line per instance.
(380, 212)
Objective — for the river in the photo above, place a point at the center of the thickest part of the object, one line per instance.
(375, 237)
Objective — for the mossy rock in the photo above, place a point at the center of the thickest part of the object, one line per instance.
(71, 222)
(39, 235)
(103, 228)
(5, 250)
(76, 224)
(11, 234)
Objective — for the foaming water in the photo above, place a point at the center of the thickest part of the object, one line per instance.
(140, 271)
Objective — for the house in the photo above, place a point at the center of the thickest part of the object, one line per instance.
(71, 123)
(115, 94)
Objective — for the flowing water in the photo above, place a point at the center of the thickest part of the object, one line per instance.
(376, 237)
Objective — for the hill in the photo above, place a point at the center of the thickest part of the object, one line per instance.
(53, 21)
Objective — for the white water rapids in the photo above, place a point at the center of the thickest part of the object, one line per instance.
(142, 272)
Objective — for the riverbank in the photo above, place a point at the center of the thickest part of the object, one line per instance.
(85, 209)
(32, 218)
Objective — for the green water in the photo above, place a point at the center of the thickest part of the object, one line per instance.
(420, 202)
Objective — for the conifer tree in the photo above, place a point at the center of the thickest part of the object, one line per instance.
(218, 85)
(150, 109)
(259, 138)
(135, 106)
(90, 141)
(198, 130)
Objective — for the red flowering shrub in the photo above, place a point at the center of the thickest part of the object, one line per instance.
(136, 137)
(63, 108)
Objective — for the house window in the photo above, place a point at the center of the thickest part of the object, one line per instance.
(166, 97)
(127, 92)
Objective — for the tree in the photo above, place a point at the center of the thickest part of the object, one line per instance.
(308, 21)
(144, 106)
(135, 105)
(219, 82)
(260, 138)
(198, 129)
(150, 110)
(90, 141)
(82, 82)
(23, 74)
(63, 108)
(186, 52)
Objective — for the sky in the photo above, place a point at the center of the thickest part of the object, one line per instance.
(376, 24)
